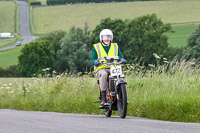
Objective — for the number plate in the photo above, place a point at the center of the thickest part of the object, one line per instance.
(115, 70)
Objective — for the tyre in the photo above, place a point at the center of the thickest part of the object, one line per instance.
(107, 111)
(122, 101)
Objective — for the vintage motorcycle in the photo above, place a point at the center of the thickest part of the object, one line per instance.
(116, 96)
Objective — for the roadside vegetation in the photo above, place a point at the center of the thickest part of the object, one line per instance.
(152, 94)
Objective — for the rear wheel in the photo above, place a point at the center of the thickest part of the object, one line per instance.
(107, 111)
(122, 101)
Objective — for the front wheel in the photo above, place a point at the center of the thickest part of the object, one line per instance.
(122, 101)
(107, 111)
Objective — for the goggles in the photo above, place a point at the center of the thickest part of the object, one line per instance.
(106, 37)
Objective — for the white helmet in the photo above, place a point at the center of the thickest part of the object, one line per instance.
(106, 32)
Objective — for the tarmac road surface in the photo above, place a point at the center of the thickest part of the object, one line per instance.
(13, 121)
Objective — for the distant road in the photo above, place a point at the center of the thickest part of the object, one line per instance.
(24, 25)
(13, 121)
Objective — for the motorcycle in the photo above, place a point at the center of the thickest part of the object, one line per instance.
(116, 96)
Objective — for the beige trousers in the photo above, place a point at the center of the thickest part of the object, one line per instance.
(102, 75)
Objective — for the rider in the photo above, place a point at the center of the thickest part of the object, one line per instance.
(104, 49)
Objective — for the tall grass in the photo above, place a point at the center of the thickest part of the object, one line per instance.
(173, 95)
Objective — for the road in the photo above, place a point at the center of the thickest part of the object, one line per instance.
(13, 121)
(24, 25)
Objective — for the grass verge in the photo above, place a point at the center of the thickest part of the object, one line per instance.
(172, 96)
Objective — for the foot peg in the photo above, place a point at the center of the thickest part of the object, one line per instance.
(97, 101)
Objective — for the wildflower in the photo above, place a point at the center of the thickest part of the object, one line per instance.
(156, 56)
(151, 65)
(54, 72)
(7, 87)
(58, 76)
(47, 69)
(44, 70)
(164, 58)
(192, 63)
(166, 62)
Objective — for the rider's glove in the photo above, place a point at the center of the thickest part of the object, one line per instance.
(96, 63)
(123, 61)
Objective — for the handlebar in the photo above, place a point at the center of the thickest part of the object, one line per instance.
(110, 61)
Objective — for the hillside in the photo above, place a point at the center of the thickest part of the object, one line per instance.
(7, 16)
(49, 18)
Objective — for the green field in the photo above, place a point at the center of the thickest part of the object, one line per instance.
(5, 41)
(7, 16)
(9, 57)
(179, 38)
(49, 18)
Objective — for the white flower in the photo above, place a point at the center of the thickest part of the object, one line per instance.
(54, 72)
(151, 65)
(58, 76)
(164, 58)
(7, 87)
(156, 56)
(192, 63)
(166, 62)
(47, 69)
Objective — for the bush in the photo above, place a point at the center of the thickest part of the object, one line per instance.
(12, 71)
(56, 2)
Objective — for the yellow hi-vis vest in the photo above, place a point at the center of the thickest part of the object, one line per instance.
(113, 51)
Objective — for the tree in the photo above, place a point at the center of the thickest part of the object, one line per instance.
(73, 55)
(192, 50)
(138, 38)
(36, 56)
(144, 36)
(54, 39)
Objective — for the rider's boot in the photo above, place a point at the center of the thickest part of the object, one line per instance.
(103, 93)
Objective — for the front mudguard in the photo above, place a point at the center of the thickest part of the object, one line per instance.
(120, 81)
